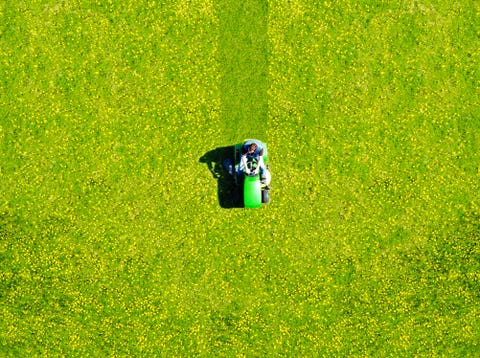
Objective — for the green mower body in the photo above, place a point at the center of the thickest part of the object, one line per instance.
(255, 192)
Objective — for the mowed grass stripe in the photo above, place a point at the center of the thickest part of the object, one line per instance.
(243, 64)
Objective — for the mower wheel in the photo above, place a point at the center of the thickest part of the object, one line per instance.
(265, 196)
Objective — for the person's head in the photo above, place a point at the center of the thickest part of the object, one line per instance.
(252, 147)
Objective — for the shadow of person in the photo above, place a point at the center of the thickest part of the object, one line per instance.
(228, 194)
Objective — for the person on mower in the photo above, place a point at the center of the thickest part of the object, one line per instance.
(253, 149)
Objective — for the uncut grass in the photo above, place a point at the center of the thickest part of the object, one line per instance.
(105, 113)
(113, 239)
(380, 105)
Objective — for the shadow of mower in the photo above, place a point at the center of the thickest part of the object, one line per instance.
(228, 194)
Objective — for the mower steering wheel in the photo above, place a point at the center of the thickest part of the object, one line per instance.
(252, 166)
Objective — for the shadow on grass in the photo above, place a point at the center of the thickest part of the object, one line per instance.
(229, 195)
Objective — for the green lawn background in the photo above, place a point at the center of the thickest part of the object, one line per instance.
(113, 241)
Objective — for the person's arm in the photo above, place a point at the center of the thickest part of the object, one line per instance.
(260, 161)
(244, 161)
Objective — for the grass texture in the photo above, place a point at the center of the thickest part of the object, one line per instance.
(113, 239)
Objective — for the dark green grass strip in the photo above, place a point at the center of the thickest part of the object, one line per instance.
(243, 60)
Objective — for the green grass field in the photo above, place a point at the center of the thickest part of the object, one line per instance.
(117, 237)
